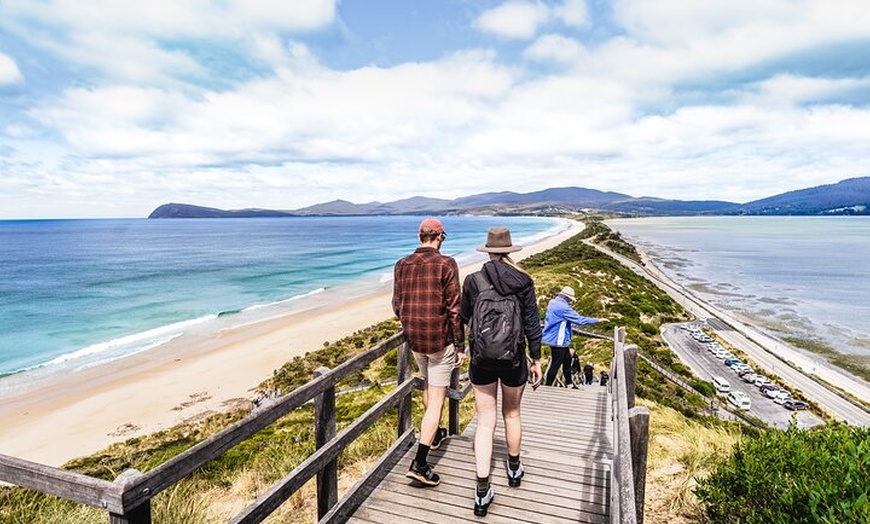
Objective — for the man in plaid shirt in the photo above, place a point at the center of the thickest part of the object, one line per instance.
(426, 300)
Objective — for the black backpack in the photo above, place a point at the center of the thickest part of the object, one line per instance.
(496, 326)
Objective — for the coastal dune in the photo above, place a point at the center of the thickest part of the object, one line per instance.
(54, 419)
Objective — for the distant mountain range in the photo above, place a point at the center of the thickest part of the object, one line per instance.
(848, 197)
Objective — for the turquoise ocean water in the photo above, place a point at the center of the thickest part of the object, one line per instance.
(74, 293)
(805, 277)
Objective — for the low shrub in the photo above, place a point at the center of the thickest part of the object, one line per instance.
(793, 477)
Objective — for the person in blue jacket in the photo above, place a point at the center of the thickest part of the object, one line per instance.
(557, 333)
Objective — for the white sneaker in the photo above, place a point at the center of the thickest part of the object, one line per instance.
(514, 476)
(481, 504)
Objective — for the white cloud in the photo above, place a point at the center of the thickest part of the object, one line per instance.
(787, 89)
(9, 72)
(573, 13)
(681, 101)
(514, 19)
(172, 19)
(559, 49)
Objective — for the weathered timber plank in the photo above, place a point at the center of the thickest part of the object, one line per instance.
(566, 451)
(188, 461)
(571, 505)
(61, 483)
(444, 502)
(277, 494)
(363, 487)
(540, 484)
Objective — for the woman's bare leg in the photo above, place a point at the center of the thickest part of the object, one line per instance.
(485, 398)
(513, 421)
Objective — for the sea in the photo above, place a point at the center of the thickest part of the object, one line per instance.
(792, 276)
(77, 293)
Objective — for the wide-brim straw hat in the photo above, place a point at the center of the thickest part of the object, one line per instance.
(498, 240)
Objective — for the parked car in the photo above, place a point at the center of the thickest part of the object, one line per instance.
(773, 392)
(740, 399)
(766, 387)
(748, 377)
(740, 367)
(781, 397)
(732, 360)
(745, 371)
(795, 405)
(760, 380)
(722, 386)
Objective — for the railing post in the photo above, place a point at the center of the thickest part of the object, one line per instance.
(630, 355)
(324, 431)
(453, 405)
(138, 515)
(403, 371)
(638, 425)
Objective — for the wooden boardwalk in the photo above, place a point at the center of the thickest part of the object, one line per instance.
(567, 453)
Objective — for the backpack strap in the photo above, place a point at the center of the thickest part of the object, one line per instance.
(481, 280)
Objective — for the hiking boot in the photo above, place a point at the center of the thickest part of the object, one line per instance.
(440, 435)
(481, 504)
(515, 476)
(423, 474)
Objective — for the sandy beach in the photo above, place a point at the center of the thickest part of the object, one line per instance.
(55, 419)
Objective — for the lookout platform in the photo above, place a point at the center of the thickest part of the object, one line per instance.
(567, 455)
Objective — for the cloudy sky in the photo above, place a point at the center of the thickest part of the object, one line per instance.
(109, 108)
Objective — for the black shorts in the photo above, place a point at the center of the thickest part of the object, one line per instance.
(509, 375)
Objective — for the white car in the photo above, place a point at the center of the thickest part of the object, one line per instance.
(772, 393)
(760, 380)
(740, 399)
(781, 397)
(749, 377)
(740, 366)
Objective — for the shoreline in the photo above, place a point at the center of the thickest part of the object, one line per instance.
(811, 366)
(189, 377)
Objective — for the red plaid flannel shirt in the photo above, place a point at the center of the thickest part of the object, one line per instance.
(426, 300)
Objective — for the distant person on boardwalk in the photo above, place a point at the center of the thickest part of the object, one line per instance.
(426, 300)
(603, 378)
(588, 372)
(500, 361)
(557, 333)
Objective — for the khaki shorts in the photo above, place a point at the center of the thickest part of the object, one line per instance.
(436, 367)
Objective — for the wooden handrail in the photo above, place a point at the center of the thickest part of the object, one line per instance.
(281, 491)
(182, 465)
(127, 499)
(61, 483)
(630, 437)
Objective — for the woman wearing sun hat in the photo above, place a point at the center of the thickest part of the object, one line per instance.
(502, 273)
(557, 333)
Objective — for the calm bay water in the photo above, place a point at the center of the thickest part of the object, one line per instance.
(803, 277)
(77, 292)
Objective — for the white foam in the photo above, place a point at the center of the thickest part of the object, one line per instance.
(172, 330)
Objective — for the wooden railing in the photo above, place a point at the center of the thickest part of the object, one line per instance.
(630, 436)
(127, 500)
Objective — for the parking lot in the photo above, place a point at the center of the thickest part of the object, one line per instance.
(698, 351)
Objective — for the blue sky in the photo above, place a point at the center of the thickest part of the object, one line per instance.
(110, 108)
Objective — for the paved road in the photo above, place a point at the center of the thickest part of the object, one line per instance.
(747, 340)
(703, 364)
